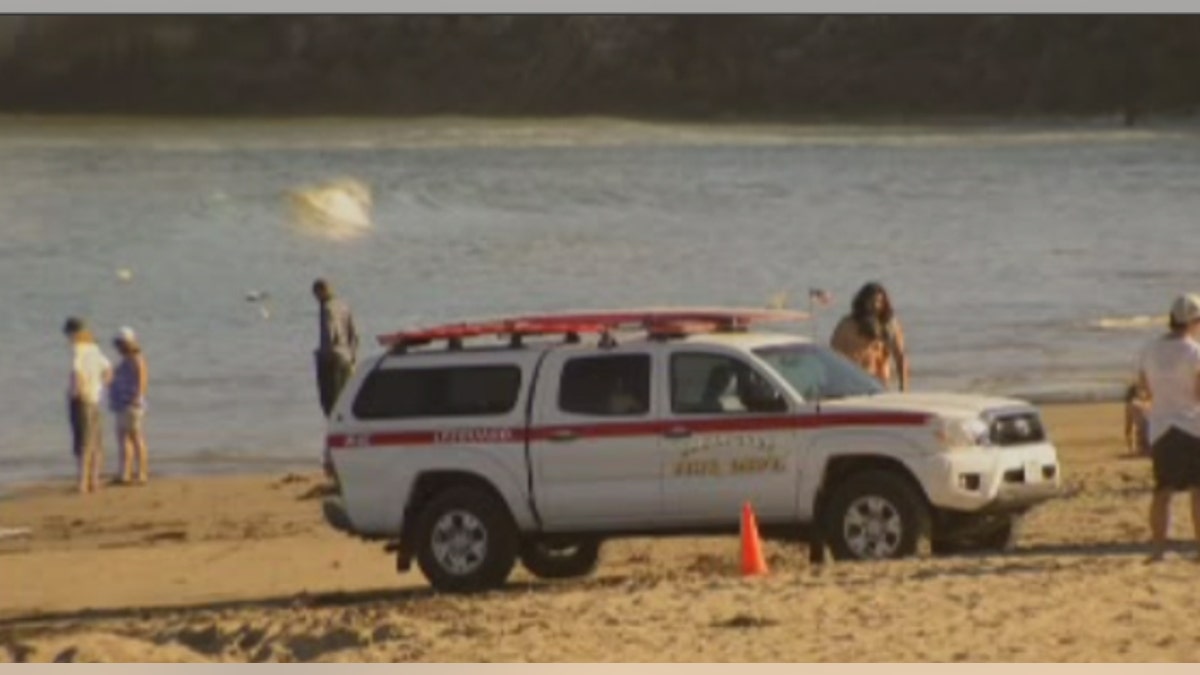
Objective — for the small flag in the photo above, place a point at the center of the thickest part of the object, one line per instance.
(820, 296)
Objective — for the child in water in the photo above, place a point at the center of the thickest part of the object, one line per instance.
(1137, 434)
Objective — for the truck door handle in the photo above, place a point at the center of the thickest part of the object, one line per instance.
(563, 435)
(677, 432)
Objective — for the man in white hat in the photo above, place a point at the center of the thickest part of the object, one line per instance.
(1170, 374)
(127, 400)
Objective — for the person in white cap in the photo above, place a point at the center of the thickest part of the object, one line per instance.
(127, 400)
(1170, 374)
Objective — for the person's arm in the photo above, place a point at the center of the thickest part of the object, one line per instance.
(143, 377)
(838, 339)
(76, 388)
(900, 355)
(1195, 371)
(352, 336)
(106, 375)
(327, 329)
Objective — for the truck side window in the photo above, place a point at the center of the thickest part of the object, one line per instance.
(463, 391)
(610, 385)
(713, 383)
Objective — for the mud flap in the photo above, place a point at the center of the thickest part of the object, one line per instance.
(403, 559)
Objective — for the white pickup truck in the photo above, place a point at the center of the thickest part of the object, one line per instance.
(470, 457)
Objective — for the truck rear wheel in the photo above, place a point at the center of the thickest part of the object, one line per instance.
(560, 560)
(465, 541)
(875, 515)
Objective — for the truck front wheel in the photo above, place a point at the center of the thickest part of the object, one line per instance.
(560, 560)
(465, 541)
(875, 515)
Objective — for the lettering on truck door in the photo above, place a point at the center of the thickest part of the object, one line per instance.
(725, 442)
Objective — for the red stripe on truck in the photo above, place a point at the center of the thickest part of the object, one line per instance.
(491, 435)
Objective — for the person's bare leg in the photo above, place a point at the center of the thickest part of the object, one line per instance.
(87, 481)
(139, 441)
(129, 448)
(78, 443)
(82, 463)
(1160, 511)
(97, 465)
(97, 445)
(125, 448)
(1196, 521)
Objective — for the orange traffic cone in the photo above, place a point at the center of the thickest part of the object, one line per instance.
(753, 563)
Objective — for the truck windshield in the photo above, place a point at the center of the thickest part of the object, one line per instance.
(817, 372)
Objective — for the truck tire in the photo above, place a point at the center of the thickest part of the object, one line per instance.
(466, 541)
(875, 515)
(560, 560)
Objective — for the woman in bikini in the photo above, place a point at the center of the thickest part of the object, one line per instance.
(871, 336)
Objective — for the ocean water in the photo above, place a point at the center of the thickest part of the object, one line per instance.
(1026, 260)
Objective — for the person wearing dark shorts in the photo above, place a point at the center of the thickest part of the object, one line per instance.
(1170, 374)
(1176, 461)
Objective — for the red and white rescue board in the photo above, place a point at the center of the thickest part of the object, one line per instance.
(653, 319)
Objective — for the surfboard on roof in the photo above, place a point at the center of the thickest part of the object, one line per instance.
(652, 319)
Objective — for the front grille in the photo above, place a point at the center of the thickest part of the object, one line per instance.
(1017, 429)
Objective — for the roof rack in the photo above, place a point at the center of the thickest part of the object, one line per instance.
(659, 323)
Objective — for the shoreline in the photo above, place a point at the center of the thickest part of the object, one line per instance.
(802, 126)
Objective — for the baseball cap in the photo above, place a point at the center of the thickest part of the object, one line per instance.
(125, 334)
(1186, 308)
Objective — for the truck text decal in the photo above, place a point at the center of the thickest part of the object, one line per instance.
(717, 441)
(456, 436)
(738, 466)
(761, 457)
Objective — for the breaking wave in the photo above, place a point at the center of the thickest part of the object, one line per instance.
(337, 209)
(1136, 322)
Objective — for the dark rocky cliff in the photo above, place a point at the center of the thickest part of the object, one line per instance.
(676, 66)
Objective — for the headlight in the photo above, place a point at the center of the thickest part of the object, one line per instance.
(961, 433)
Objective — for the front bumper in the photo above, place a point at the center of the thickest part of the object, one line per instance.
(993, 479)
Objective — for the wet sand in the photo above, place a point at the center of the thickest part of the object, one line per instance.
(243, 569)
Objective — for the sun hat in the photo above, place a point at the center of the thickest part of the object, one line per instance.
(125, 334)
(1186, 309)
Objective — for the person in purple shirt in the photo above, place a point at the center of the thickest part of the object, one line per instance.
(127, 400)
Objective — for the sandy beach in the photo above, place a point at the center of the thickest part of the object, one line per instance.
(243, 569)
